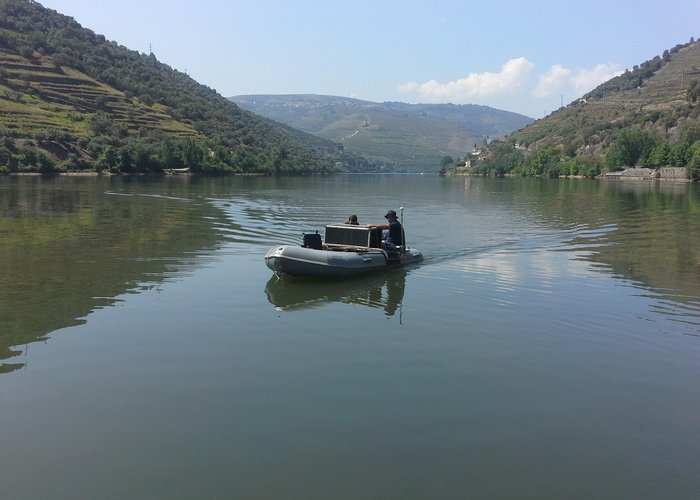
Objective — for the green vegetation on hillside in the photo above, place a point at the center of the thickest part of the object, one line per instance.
(70, 100)
(646, 117)
(395, 135)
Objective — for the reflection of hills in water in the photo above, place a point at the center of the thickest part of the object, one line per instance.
(71, 245)
(383, 290)
(647, 232)
(657, 239)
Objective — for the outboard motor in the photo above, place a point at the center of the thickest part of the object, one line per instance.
(313, 241)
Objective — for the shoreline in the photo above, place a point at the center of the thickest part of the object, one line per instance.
(665, 174)
(110, 174)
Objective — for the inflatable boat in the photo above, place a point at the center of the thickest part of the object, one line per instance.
(346, 251)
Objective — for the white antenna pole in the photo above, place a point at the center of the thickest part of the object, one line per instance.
(403, 233)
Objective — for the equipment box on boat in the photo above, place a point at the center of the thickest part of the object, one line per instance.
(345, 235)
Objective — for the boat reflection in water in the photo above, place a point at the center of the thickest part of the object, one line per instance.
(383, 290)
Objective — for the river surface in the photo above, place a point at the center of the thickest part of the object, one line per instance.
(547, 347)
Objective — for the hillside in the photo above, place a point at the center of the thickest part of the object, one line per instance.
(72, 100)
(411, 136)
(648, 117)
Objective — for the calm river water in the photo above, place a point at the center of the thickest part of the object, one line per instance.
(548, 346)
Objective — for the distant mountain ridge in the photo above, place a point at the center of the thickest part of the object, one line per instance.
(410, 136)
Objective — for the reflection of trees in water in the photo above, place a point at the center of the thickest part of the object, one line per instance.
(656, 226)
(381, 290)
(68, 248)
(657, 236)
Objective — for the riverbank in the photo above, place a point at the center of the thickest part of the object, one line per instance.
(668, 174)
(676, 174)
(92, 173)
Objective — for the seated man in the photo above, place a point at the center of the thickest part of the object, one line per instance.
(352, 220)
(394, 236)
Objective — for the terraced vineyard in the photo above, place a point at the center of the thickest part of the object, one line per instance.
(36, 94)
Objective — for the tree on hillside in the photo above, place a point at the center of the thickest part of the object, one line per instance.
(545, 160)
(445, 162)
(694, 164)
(694, 91)
(690, 131)
(503, 158)
(632, 146)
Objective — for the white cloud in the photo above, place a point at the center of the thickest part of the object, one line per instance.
(559, 79)
(475, 85)
(515, 87)
(586, 80)
(551, 82)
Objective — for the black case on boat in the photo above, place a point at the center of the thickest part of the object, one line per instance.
(313, 241)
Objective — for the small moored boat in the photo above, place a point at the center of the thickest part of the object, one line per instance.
(348, 250)
(175, 171)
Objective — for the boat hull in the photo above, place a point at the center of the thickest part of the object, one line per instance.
(301, 261)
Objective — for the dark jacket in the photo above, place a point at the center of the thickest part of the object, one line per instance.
(395, 235)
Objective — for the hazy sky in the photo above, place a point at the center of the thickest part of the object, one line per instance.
(524, 56)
